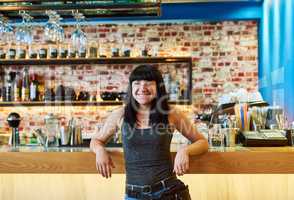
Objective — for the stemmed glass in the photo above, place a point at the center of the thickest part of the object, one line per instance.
(6, 31)
(78, 37)
(23, 32)
(53, 31)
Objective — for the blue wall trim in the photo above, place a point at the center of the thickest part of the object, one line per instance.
(277, 54)
(213, 11)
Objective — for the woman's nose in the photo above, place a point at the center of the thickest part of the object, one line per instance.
(143, 85)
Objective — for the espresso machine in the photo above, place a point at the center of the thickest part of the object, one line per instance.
(13, 120)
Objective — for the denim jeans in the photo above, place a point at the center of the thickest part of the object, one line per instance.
(152, 195)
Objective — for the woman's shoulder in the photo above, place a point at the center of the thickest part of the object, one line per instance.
(117, 115)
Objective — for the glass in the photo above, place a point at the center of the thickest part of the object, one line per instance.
(216, 136)
(53, 31)
(78, 37)
(23, 32)
(6, 31)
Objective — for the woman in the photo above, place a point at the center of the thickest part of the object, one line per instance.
(147, 124)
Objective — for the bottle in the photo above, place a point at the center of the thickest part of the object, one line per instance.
(17, 88)
(25, 91)
(9, 87)
(34, 88)
(8, 90)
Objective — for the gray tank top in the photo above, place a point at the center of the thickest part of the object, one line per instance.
(147, 154)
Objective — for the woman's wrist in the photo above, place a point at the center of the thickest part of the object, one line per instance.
(184, 149)
(96, 146)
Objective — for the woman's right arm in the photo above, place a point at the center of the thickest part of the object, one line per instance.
(103, 160)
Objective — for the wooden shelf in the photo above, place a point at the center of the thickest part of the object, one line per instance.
(75, 103)
(114, 60)
(98, 61)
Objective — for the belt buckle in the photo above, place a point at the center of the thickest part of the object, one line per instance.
(147, 189)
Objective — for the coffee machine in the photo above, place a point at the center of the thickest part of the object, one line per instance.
(13, 120)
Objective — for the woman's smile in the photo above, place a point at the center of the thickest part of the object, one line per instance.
(144, 91)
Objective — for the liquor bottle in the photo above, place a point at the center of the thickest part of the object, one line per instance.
(9, 86)
(17, 87)
(25, 91)
(8, 90)
(34, 89)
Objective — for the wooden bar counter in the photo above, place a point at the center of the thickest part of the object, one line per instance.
(237, 160)
(70, 173)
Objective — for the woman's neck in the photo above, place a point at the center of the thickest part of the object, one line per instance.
(143, 116)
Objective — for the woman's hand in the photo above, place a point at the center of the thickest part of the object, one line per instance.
(104, 163)
(181, 164)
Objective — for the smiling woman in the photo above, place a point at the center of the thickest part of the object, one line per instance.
(147, 124)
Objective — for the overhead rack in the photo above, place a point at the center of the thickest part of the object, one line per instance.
(89, 8)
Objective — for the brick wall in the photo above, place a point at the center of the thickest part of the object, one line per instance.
(225, 56)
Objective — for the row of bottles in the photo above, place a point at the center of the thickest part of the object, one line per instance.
(20, 87)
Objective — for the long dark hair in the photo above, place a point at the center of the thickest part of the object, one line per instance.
(159, 105)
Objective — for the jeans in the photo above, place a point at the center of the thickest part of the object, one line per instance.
(152, 195)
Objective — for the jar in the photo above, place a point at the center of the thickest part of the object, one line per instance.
(33, 51)
(115, 52)
(82, 53)
(63, 51)
(2, 54)
(52, 130)
(11, 53)
(71, 52)
(21, 53)
(93, 49)
(43, 53)
(53, 51)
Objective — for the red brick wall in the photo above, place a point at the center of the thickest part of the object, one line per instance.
(225, 56)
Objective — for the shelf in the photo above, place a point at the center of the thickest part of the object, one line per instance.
(229, 107)
(76, 103)
(116, 60)
(89, 8)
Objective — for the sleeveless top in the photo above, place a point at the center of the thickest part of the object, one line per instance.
(147, 154)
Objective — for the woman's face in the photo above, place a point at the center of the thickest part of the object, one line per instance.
(144, 91)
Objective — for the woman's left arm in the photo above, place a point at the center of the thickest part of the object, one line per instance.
(198, 146)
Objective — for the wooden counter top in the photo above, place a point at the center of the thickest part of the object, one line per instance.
(231, 160)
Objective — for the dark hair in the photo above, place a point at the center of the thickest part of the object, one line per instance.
(159, 105)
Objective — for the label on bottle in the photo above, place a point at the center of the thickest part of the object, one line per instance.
(25, 94)
(17, 92)
(33, 93)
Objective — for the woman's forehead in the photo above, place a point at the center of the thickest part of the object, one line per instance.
(144, 80)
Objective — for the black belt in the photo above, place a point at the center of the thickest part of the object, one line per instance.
(137, 191)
